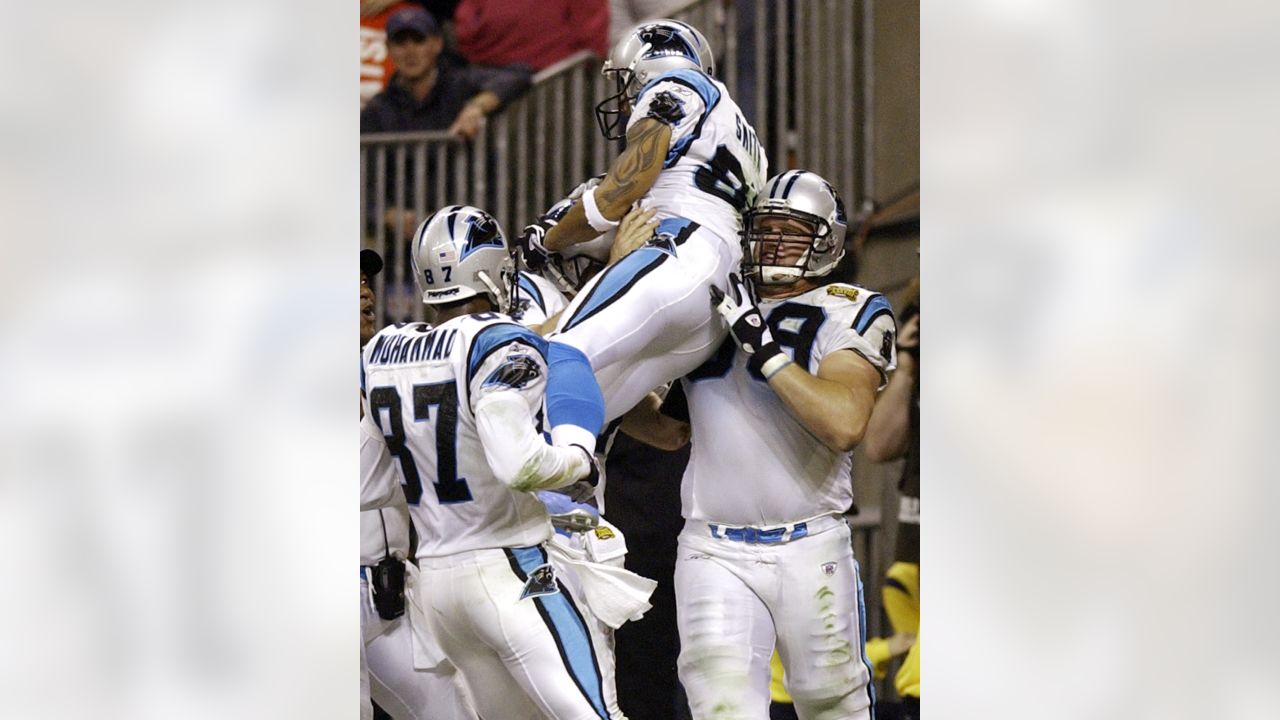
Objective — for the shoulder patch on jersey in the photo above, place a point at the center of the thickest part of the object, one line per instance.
(886, 346)
(851, 294)
(667, 108)
(604, 533)
(515, 372)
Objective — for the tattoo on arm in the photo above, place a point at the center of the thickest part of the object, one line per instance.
(637, 167)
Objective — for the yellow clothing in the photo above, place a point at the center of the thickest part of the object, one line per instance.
(901, 595)
(777, 690)
(907, 681)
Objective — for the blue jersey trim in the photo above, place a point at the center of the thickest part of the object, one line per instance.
(526, 283)
(694, 80)
(876, 306)
(496, 336)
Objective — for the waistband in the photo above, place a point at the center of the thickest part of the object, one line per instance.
(471, 557)
(764, 535)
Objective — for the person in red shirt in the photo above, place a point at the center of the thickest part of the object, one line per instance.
(536, 33)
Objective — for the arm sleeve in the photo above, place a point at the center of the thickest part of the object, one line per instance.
(681, 99)
(868, 330)
(507, 385)
(506, 83)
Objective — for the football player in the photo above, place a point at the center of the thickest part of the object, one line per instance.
(457, 405)
(691, 156)
(401, 686)
(765, 554)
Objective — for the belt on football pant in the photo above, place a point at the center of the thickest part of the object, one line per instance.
(772, 534)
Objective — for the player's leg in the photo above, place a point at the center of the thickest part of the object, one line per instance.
(406, 692)
(395, 684)
(548, 639)
(366, 705)
(450, 597)
(651, 309)
(726, 632)
(821, 627)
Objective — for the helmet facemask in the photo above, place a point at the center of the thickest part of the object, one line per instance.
(613, 112)
(782, 243)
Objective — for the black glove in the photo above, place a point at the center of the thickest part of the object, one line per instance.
(532, 251)
(748, 327)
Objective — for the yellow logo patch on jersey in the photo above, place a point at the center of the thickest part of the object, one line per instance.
(604, 533)
(851, 294)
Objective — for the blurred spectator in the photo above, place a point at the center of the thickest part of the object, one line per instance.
(536, 33)
(894, 432)
(375, 61)
(426, 95)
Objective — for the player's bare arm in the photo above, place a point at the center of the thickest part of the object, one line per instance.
(889, 430)
(645, 423)
(631, 176)
(836, 404)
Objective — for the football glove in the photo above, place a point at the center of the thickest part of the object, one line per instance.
(764, 355)
(532, 251)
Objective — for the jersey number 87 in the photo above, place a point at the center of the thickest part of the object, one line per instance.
(448, 486)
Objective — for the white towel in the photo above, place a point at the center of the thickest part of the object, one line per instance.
(613, 594)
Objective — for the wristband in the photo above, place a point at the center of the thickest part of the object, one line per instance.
(774, 365)
(598, 222)
(768, 360)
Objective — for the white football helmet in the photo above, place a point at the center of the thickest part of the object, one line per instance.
(796, 229)
(645, 52)
(461, 252)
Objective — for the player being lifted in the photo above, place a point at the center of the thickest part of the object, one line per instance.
(456, 403)
(691, 156)
(765, 552)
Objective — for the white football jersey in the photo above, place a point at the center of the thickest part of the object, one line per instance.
(421, 387)
(538, 299)
(385, 531)
(752, 462)
(715, 166)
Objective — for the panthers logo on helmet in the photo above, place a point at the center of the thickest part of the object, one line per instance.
(666, 41)
(482, 231)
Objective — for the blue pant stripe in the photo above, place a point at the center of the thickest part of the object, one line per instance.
(572, 637)
(616, 281)
(862, 639)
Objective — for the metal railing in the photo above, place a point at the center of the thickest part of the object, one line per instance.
(798, 87)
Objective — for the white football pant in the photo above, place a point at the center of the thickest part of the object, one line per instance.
(733, 598)
(521, 658)
(405, 692)
(648, 319)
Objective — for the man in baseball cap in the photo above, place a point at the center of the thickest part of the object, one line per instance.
(370, 265)
(413, 20)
